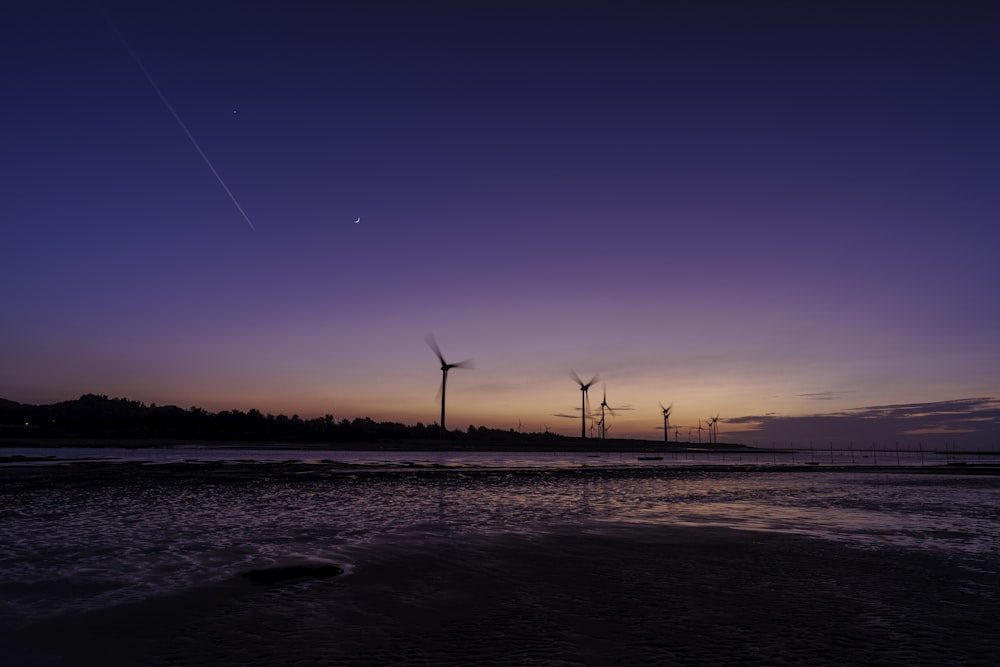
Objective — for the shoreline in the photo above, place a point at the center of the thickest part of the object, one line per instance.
(233, 469)
(556, 445)
(409, 445)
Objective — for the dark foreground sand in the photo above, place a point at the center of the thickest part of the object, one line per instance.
(609, 595)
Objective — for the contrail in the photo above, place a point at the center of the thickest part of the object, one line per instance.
(180, 122)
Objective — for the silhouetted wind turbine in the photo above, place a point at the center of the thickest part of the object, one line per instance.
(666, 421)
(445, 367)
(584, 401)
(713, 428)
(699, 431)
(604, 405)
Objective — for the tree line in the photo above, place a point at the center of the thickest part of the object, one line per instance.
(94, 415)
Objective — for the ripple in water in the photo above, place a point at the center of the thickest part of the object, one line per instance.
(94, 537)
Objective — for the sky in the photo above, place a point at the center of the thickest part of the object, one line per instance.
(781, 213)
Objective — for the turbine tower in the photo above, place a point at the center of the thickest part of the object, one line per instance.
(604, 405)
(584, 401)
(713, 428)
(666, 421)
(445, 367)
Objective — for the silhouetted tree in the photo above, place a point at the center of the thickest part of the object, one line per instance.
(97, 415)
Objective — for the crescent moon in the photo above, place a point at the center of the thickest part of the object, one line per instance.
(357, 221)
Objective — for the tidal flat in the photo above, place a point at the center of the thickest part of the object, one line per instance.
(137, 563)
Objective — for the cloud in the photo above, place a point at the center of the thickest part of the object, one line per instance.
(748, 419)
(821, 395)
(972, 422)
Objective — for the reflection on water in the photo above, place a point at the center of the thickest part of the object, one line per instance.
(107, 533)
(502, 459)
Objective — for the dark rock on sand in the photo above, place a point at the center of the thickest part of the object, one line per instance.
(274, 575)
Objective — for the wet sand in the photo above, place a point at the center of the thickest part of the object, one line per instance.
(600, 594)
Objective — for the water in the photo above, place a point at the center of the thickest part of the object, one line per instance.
(534, 458)
(80, 536)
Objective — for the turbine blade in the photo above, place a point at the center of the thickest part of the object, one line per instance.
(576, 377)
(434, 347)
(467, 364)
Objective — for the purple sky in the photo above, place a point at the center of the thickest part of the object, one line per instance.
(758, 212)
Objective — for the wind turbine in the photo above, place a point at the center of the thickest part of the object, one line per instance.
(699, 431)
(666, 421)
(604, 405)
(445, 367)
(584, 401)
(713, 428)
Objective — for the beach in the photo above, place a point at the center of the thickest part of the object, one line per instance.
(491, 584)
(635, 596)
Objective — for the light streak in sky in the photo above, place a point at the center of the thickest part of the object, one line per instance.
(180, 122)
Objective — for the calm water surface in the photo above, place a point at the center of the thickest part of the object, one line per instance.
(86, 535)
(524, 459)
